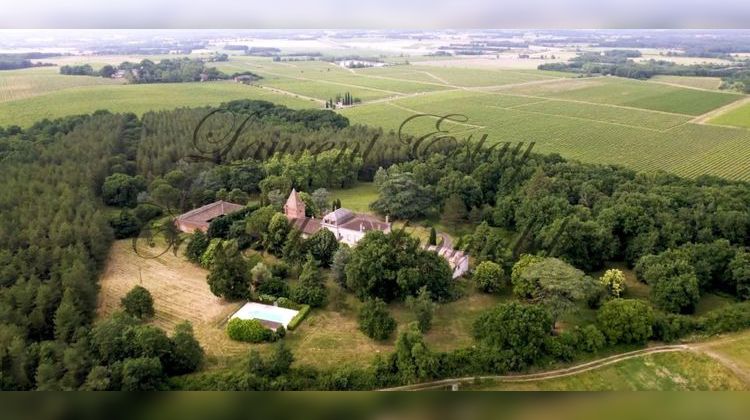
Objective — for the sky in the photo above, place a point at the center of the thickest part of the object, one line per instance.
(378, 14)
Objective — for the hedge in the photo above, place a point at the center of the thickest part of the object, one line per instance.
(250, 330)
(299, 317)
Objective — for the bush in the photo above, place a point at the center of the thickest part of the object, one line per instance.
(670, 327)
(590, 339)
(138, 303)
(375, 321)
(249, 330)
(303, 311)
(614, 281)
(727, 319)
(267, 299)
(490, 277)
(284, 302)
(626, 321)
(678, 294)
(197, 246)
(273, 286)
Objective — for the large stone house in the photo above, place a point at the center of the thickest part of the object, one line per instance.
(347, 226)
(350, 227)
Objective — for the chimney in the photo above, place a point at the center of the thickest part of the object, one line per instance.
(386, 219)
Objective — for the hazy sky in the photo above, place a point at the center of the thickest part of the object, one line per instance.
(418, 14)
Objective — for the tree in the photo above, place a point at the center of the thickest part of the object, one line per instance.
(423, 309)
(122, 190)
(68, 317)
(197, 246)
(614, 281)
(281, 360)
(322, 200)
(678, 294)
(740, 269)
(392, 265)
(584, 244)
(375, 321)
(107, 71)
(400, 196)
(260, 273)
(142, 374)
(229, 275)
(322, 245)
(550, 282)
(278, 229)
(516, 329)
(258, 222)
(138, 303)
(454, 211)
(490, 277)
(125, 225)
(310, 290)
(626, 321)
(340, 260)
(433, 236)
(187, 353)
(294, 248)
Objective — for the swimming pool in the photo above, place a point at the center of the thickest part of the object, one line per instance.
(259, 311)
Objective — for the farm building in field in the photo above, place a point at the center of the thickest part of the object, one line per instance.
(201, 217)
(347, 226)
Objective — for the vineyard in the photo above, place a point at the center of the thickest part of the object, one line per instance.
(21, 84)
(133, 98)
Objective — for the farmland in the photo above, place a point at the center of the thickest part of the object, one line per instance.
(132, 98)
(680, 125)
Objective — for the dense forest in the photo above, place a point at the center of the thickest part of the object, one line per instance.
(538, 222)
(619, 63)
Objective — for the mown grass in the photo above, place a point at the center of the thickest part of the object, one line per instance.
(134, 98)
(678, 371)
(358, 197)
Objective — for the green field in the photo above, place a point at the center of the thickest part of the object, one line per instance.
(694, 82)
(133, 98)
(21, 84)
(651, 125)
(679, 371)
(357, 198)
(737, 117)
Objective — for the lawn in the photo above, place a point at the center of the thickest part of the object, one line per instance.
(357, 198)
(678, 371)
(134, 98)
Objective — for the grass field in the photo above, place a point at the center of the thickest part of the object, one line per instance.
(133, 98)
(21, 84)
(679, 371)
(694, 82)
(357, 198)
(737, 117)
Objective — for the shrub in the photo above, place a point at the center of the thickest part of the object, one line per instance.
(273, 286)
(284, 302)
(303, 311)
(375, 321)
(678, 294)
(138, 303)
(249, 330)
(490, 277)
(727, 319)
(614, 281)
(626, 321)
(267, 299)
(590, 339)
(670, 327)
(197, 246)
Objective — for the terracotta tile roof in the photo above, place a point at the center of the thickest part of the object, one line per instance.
(204, 215)
(365, 223)
(307, 225)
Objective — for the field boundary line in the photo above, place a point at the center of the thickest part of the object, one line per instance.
(704, 118)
